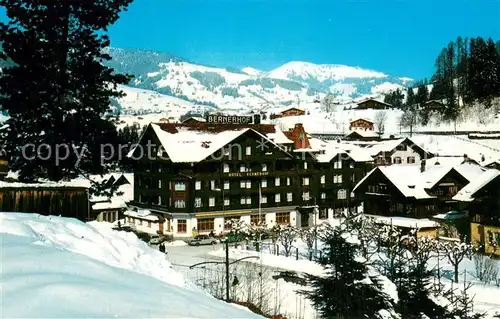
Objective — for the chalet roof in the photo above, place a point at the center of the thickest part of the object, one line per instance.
(113, 203)
(362, 133)
(292, 108)
(466, 194)
(411, 182)
(490, 161)
(375, 100)
(405, 222)
(142, 214)
(329, 149)
(375, 148)
(361, 119)
(279, 137)
(189, 145)
(199, 119)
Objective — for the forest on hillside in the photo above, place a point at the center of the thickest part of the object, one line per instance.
(467, 74)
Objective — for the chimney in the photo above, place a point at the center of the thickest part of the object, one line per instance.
(466, 158)
(422, 166)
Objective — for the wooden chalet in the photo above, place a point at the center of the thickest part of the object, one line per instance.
(373, 104)
(64, 199)
(293, 111)
(481, 198)
(414, 191)
(395, 151)
(361, 124)
(492, 164)
(362, 135)
(434, 105)
(194, 120)
(204, 175)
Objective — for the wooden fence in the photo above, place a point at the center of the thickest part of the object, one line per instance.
(63, 201)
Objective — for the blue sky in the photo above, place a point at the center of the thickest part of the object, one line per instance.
(397, 37)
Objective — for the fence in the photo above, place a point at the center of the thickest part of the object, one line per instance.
(251, 284)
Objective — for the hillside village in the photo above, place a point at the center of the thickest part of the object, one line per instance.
(141, 184)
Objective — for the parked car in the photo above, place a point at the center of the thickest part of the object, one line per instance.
(203, 240)
(156, 240)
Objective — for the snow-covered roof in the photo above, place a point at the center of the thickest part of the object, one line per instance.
(199, 119)
(374, 99)
(78, 182)
(278, 136)
(360, 119)
(363, 133)
(142, 214)
(469, 170)
(329, 149)
(405, 222)
(114, 203)
(466, 194)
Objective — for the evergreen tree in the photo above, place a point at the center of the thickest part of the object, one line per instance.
(58, 91)
(346, 291)
(422, 95)
(410, 97)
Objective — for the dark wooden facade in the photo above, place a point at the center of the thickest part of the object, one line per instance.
(197, 189)
(292, 112)
(373, 104)
(361, 124)
(4, 164)
(433, 105)
(63, 201)
(382, 197)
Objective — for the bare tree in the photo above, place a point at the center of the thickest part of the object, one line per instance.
(287, 237)
(486, 269)
(380, 120)
(308, 236)
(409, 119)
(456, 252)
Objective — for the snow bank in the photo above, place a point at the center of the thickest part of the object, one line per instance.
(63, 268)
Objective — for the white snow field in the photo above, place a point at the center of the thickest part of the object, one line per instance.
(54, 267)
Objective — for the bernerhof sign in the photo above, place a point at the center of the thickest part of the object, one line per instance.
(229, 119)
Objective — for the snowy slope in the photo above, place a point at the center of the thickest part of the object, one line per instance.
(62, 268)
(248, 88)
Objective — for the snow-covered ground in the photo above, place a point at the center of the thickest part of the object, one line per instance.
(53, 267)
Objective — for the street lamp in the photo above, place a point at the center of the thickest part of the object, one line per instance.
(227, 264)
(315, 226)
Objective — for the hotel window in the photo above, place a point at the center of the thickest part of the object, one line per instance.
(205, 225)
(353, 177)
(243, 168)
(323, 179)
(396, 160)
(263, 183)
(159, 183)
(225, 168)
(341, 194)
(197, 185)
(305, 181)
(323, 213)
(248, 150)
(226, 184)
(181, 226)
(140, 222)
(159, 200)
(180, 203)
(263, 200)
(179, 186)
(245, 184)
(197, 202)
(211, 201)
(305, 165)
(352, 195)
(337, 179)
(410, 160)
(277, 181)
(289, 197)
(249, 184)
(264, 167)
(305, 196)
(337, 164)
(277, 198)
(323, 195)
(212, 185)
(149, 224)
(257, 219)
(248, 200)
(243, 200)
(226, 201)
(282, 218)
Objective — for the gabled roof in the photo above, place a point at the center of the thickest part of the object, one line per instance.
(375, 148)
(411, 182)
(199, 119)
(466, 194)
(279, 137)
(189, 145)
(362, 133)
(292, 108)
(361, 119)
(375, 100)
(327, 150)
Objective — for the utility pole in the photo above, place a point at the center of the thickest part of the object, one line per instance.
(227, 269)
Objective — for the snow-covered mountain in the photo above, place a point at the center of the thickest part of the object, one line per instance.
(249, 88)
